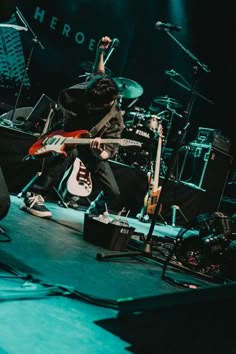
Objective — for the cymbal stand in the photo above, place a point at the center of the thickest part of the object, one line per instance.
(35, 41)
(169, 125)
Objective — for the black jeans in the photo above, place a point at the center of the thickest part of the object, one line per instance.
(53, 169)
(99, 169)
(102, 172)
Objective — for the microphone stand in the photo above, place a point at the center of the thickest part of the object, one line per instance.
(181, 133)
(109, 54)
(146, 248)
(35, 41)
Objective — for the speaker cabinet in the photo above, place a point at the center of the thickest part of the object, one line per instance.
(193, 321)
(207, 168)
(216, 177)
(4, 197)
(17, 170)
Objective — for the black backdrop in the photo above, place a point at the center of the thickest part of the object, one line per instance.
(69, 32)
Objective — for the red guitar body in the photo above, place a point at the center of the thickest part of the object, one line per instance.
(54, 142)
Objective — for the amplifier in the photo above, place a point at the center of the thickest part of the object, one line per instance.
(221, 142)
(214, 137)
(194, 163)
(207, 168)
(205, 135)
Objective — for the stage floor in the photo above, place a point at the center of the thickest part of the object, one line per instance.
(56, 294)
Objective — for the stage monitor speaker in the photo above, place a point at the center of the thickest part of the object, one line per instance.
(4, 197)
(15, 117)
(190, 321)
(14, 145)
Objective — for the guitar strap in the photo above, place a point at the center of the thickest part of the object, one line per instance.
(103, 121)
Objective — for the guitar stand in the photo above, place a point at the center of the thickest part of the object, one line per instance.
(176, 208)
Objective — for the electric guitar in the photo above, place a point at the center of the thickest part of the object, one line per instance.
(76, 180)
(59, 140)
(152, 196)
(156, 189)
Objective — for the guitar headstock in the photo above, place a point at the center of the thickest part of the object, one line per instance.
(128, 142)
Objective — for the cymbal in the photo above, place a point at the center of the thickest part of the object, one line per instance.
(128, 88)
(167, 101)
(87, 66)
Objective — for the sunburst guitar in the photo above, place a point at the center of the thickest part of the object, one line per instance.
(153, 194)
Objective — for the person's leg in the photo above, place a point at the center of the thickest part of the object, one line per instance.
(109, 186)
(53, 171)
(102, 172)
(34, 198)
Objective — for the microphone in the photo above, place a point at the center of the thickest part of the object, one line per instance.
(161, 25)
(115, 42)
(171, 73)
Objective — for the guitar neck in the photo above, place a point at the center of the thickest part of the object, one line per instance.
(157, 165)
(84, 141)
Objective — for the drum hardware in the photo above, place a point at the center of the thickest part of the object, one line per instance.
(132, 103)
(167, 114)
(140, 109)
(167, 101)
(137, 118)
(185, 84)
(149, 120)
(172, 112)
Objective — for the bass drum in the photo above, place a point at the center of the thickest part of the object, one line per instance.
(140, 157)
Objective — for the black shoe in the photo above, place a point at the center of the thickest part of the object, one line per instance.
(34, 204)
(98, 206)
(73, 203)
(94, 210)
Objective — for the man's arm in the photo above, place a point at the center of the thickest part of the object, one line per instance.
(102, 46)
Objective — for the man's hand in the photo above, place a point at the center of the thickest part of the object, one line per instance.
(104, 43)
(98, 149)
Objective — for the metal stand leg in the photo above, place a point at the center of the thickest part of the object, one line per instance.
(60, 197)
(28, 185)
(174, 210)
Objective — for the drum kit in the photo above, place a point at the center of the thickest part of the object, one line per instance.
(140, 124)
